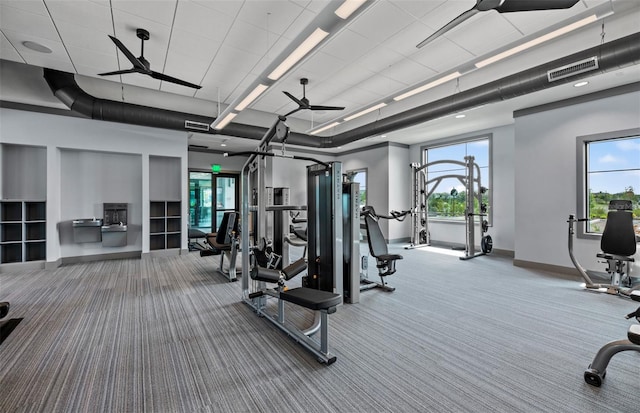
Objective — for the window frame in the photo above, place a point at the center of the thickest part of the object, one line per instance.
(582, 175)
(486, 182)
(366, 180)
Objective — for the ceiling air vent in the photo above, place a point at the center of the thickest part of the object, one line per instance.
(199, 126)
(582, 66)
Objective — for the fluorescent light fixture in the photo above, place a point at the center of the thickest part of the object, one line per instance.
(324, 128)
(348, 7)
(427, 86)
(537, 41)
(580, 84)
(364, 112)
(460, 116)
(224, 122)
(251, 96)
(304, 48)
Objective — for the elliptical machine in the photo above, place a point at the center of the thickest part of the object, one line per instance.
(598, 368)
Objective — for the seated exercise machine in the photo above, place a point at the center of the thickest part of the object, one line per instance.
(618, 245)
(598, 368)
(322, 286)
(225, 243)
(195, 235)
(385, 262)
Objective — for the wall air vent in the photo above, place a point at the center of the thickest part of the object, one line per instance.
(582, 66)
(199, 126)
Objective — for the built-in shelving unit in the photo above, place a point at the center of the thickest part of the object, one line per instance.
(165, 225)
(23, 235)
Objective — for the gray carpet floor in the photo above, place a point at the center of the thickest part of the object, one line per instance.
(169, 334)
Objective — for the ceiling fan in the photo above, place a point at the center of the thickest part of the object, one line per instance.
(142, 65)
(304, 102)
(501, 6)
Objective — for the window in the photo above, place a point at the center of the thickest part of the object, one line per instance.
(609, 168)
(360, 176)
(204, 213)
(448, 199)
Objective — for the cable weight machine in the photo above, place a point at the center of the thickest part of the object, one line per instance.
(472, 181)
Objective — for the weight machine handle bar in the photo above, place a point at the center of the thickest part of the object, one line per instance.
(260, 153)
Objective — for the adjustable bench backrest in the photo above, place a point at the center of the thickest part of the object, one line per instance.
(619, 237)
(377, 244)
(229, 223)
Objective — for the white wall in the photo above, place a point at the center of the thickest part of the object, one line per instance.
(399, 190)
(204, 160)
(545, 179)
(61, 134)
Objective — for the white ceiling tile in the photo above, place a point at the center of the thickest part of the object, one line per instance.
(249, 38)
(203, 21)
(352, 75)
(222, 79)
(275, 50)
(380, 85)
(315, 6)
(228, 7)
(272, 15)
(19, 20)
(44, 60)
(84, 57)
(177, 89)
(137, 79)
(232, 56)
(31, 6)
(7, 51)
(58, 51)
(444, 13)
(90, 40)
(348, 45)
(84, 13)
(408, 72)
(190, 68)
(487, 32)
(321, 65)
(531, 22)
(379, 59)
(159, 11)
(406, 40)
(382, 21)
(441, 55)
(418, 8)
(189, 44)
(299, 24)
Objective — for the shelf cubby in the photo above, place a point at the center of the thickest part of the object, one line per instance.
(165, 225)
(23, 231)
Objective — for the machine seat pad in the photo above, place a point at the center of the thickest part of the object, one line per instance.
(614, 257)
(311, 298)
(634, 334)
(389, 257)
(265, 274)
(211, 239)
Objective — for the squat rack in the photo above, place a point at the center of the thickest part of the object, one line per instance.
(472, 182)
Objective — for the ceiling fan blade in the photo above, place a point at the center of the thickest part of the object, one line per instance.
(119, 72)
(295, 99)
(320, 107)
(134, 60)
(453, 23)
(170, 79)
(530, 5)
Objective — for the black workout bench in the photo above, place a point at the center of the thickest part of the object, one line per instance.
(323, 302)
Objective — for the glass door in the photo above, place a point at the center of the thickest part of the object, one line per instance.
(210, 196)
(200, 201)
(226, 196)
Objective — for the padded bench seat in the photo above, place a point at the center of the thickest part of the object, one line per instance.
(311, 298)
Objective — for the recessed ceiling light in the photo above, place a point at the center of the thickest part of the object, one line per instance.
(36, 46)
(580, 84)
(223, 144)
(460, 116)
